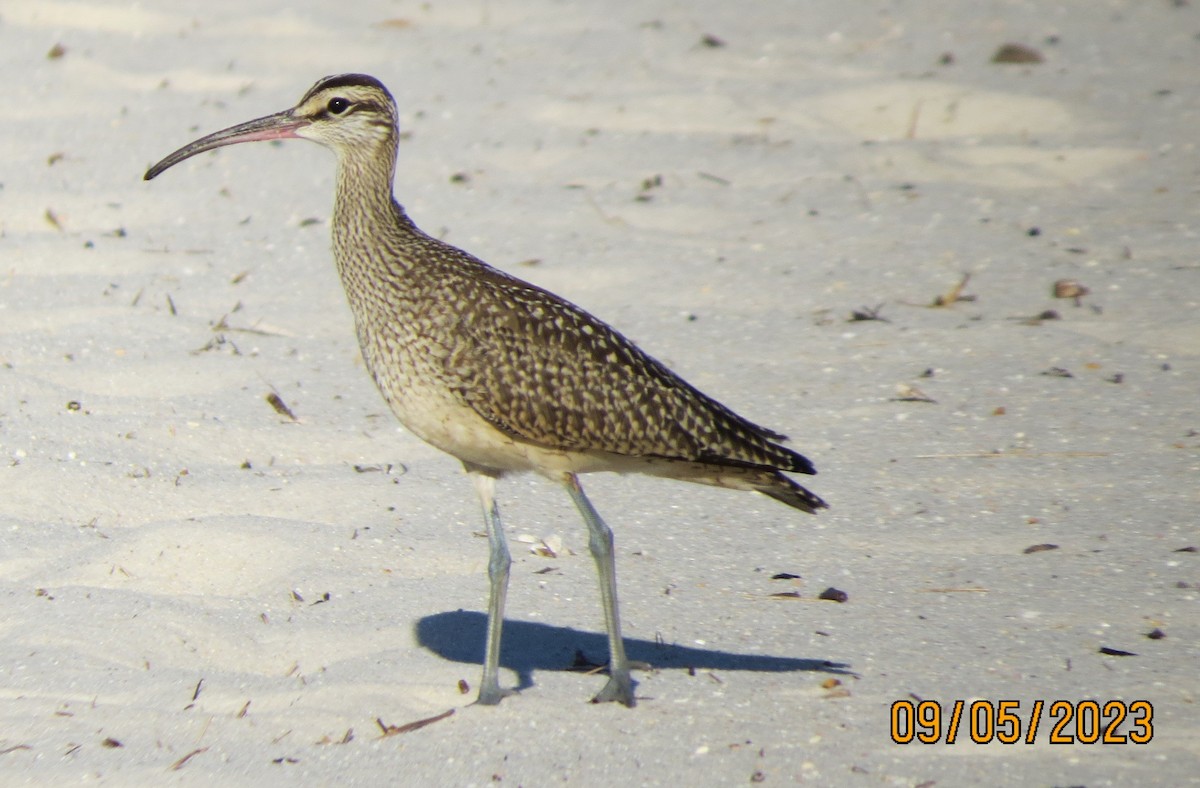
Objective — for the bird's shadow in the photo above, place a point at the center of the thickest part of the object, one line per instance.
(527, 646)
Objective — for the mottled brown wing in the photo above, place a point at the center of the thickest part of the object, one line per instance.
(543, 370)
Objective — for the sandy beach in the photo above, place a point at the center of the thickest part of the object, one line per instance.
(844, 220)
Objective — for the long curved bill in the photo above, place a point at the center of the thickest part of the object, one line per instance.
(280, 126)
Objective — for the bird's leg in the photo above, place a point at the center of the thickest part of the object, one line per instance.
(499, 561)
(600, 542)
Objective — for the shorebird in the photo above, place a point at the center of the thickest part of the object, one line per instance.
(499, 373)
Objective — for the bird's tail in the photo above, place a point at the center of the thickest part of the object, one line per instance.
(783, 489)
(767, 481)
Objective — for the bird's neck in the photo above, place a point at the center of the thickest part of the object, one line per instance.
(369, 226)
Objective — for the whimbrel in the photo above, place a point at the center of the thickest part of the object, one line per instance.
(499, 373)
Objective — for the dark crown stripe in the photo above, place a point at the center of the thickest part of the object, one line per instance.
(344, 81)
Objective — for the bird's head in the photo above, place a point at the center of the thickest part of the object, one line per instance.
(348, 113)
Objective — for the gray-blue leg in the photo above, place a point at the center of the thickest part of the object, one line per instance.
(499, 561)
(600, 542)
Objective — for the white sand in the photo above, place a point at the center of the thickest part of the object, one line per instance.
(821, 161)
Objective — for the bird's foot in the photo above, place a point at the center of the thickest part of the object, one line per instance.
(491, 695)
(619, 689)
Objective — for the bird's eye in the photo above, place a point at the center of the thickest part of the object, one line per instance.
(338, 105)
